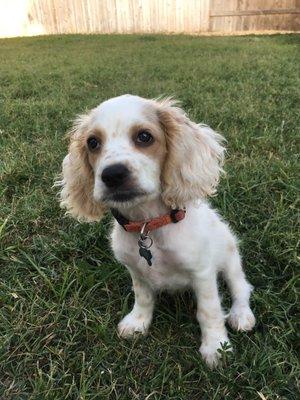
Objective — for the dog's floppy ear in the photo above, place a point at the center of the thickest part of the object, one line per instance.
(77, 181)
(194, 157)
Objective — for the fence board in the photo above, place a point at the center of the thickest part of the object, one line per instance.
(30, 17)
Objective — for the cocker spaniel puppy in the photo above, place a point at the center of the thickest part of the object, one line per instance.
(153, 167)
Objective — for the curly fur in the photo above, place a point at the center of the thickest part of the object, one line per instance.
(180, 168)
(78, 177)
(195, 155)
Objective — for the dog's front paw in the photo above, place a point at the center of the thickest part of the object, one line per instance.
(209, 350)
(241, 318)
(134, 323)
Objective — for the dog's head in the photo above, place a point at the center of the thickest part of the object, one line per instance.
(129, 150)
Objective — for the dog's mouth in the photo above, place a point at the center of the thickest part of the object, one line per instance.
(122, 196)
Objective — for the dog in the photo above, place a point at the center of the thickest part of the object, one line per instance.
(148, 163)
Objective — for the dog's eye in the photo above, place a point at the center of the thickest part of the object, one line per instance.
(144, 138)
(93, 143)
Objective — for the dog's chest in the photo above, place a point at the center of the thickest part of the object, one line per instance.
(168, 269)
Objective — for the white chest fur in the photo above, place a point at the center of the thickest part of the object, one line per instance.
(167, 270)
(179, 250)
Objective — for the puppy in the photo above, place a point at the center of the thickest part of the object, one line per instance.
(153, 167)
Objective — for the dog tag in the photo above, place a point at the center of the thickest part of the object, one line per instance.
(146, 254)
(145, 242)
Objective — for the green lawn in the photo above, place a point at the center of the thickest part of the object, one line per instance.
(62, 292)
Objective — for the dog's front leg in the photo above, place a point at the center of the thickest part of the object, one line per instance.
(139, 319)
(210, 317)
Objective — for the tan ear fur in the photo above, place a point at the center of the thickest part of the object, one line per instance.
(78, 178)
(194, 157)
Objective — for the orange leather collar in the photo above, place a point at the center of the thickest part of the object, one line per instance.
(148, 225)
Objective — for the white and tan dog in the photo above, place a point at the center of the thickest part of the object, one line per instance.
(144, 158)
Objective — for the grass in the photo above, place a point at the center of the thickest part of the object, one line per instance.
(62, 292)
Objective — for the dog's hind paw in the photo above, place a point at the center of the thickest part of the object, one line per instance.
(241, 318)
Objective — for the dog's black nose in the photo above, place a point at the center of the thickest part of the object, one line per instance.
(115, 175)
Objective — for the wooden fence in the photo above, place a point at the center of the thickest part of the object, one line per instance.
(34, 17)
